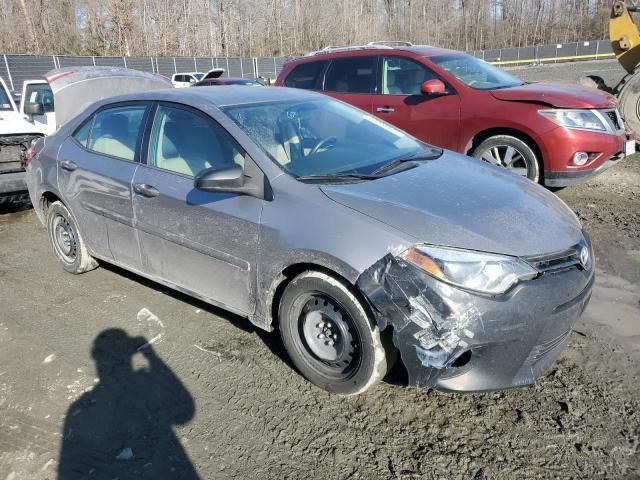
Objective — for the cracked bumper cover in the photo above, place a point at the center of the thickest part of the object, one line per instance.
(512, 339)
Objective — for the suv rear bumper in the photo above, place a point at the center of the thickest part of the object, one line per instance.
(11, 183)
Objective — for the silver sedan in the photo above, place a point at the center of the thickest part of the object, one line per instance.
(353, 239)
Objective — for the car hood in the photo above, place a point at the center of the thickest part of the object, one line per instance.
(557, 95)
(460, 202)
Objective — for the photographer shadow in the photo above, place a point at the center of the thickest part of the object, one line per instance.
(122, 428)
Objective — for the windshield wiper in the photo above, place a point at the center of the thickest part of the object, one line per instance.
(387, 167)
(332, 177)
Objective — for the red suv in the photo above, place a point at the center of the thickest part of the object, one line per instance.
(554, 134)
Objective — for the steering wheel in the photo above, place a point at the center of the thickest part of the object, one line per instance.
(324, 144)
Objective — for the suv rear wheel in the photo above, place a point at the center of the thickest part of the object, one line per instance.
(329, 335)
(511, 153)
(66, 242)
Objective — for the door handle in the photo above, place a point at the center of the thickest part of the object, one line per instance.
(68, 165)
(385, 110)
(145, 190)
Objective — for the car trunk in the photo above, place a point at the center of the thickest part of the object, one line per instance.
(75, 88)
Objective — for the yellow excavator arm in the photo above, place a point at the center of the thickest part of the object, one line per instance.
(624, 35)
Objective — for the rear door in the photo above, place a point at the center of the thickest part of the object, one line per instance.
(39, 91)
(203, 242)
(96, 166)
(433, 119)
(352, 80)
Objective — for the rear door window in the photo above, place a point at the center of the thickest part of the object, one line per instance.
(401, 76)
(114, 131)
(306, 76)
(351, 75)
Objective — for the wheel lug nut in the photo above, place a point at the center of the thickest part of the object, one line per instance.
(321, 335)
(330, 342)
(320, 325)
(335, 336)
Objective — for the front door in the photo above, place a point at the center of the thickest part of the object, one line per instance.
(433, 119)
(203, 242)
(95, 169)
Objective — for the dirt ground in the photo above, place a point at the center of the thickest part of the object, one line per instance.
(218, 398)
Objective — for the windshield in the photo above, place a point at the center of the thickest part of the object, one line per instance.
(5, 104)
(324, 137)
(476, 73)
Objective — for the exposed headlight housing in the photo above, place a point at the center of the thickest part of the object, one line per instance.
(486, 273)
(590, 120)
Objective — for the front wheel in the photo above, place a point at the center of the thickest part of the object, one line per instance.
(511, 153)
(329, 335)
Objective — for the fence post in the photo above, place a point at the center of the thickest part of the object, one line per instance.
(175, 69)
(124, 59)
(6, 64)
(597, 48)
(275, 67)
(241, 69)
(227, 66)
(94, 61)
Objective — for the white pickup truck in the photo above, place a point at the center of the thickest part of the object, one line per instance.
(34, 118)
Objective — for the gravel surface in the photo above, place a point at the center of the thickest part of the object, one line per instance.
(214, 397)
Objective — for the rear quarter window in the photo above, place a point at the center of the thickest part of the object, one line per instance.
(306, 76)
(351, 75)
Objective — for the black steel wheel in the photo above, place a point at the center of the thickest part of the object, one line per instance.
(329, 335)
(66, 242)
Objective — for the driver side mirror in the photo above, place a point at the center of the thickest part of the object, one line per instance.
(433, 87)
(32, 109)
(228, 179)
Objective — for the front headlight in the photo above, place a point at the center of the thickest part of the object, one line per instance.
(578, 119)
(482, 272)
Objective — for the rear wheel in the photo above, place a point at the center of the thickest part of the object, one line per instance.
(511, 153)
(329, 335)
(66, 242)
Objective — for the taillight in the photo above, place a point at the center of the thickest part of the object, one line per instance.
(31, 152)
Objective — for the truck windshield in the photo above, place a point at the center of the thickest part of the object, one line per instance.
(476, 73)
(5, 103)
(325, 137)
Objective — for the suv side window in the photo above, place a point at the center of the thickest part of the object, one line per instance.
(306, 76)
(114, 131)
(185, 142)
(402, 76)
(351, 75)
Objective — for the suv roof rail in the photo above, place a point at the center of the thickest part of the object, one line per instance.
(346, 48)
(391, 43)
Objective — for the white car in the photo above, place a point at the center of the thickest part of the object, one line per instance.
(34, 118)
(181, 80)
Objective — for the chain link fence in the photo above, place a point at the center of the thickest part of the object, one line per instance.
(15, 69)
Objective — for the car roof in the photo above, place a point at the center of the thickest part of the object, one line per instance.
(366, 50)
(219, 97)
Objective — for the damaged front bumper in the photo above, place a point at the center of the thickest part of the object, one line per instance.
(455, 340)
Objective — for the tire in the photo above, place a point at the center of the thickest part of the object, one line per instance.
(66, 242)
(524, 161)
(629, 101)
(356, 359)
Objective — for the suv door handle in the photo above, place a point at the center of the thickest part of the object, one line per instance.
(385, 110)
(145, 190)
(68, 165)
